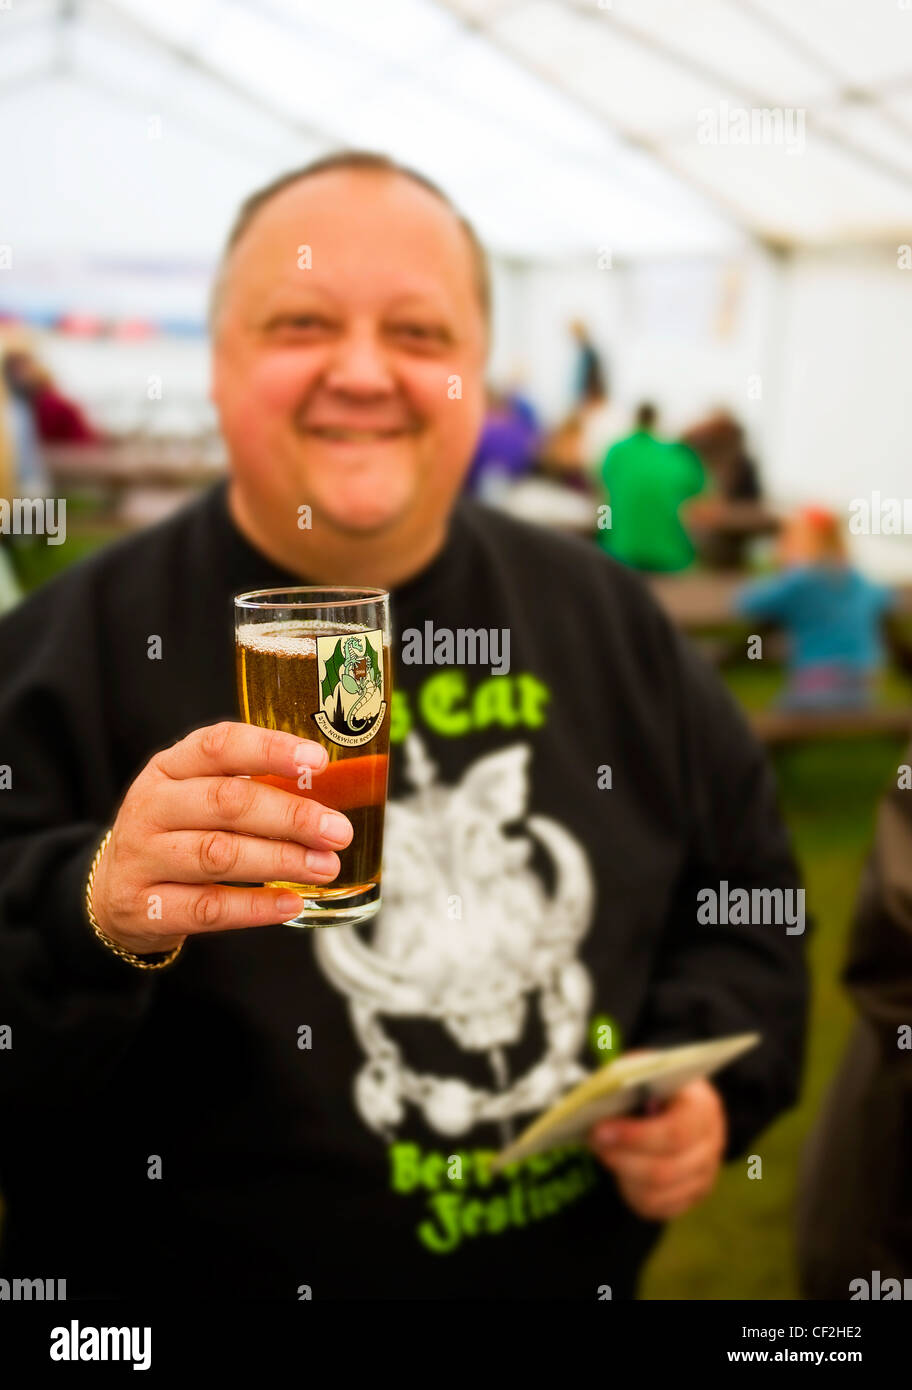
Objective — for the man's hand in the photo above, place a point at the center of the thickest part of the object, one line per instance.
(193, 818)
(666, 1163)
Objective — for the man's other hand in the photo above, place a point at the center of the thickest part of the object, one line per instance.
(665, 1164)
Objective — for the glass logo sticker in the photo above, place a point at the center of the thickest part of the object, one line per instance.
(351, 687)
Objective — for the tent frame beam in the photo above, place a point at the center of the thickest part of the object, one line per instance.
(705, 72)
(641, 144)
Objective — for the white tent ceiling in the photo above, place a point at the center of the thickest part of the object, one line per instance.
(561, 126)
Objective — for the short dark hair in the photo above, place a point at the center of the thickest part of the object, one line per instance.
(367, 161)
(646, 416)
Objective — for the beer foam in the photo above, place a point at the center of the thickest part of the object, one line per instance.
(287, 639)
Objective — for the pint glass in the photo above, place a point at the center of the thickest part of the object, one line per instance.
(316, 663)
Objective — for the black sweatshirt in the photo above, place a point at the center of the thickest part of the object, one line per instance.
(284, 1110)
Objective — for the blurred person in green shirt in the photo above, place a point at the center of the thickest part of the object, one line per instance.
(646, 480)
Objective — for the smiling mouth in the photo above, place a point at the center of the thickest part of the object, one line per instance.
(354, 436)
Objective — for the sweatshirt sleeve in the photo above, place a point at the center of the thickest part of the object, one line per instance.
(69, 1004)
(716, 979)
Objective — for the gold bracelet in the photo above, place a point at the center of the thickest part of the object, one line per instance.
(138, 961)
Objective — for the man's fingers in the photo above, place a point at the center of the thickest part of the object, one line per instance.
(239, 749)
(664, 1164)
(213, 856)
(657, 1171)
(246, 807)
(650, 1134)
(665, 1205)
(684, 1119)
(188, 910)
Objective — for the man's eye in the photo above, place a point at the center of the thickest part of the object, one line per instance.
(416, 329)
(301, 322)
(420, 332)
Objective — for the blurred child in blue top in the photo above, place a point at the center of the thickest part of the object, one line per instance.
(831, 614)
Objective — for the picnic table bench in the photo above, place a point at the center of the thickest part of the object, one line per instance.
(787, 726)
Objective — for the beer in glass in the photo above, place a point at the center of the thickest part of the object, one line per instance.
(316, 663)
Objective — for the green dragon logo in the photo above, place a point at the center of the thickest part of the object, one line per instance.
(351, 687)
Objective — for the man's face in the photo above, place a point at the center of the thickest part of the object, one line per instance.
(335, 383)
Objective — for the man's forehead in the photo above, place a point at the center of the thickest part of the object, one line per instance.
(377, 219)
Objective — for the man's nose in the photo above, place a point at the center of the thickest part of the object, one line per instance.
(359, 365)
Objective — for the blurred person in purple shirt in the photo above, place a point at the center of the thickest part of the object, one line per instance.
(507, 447)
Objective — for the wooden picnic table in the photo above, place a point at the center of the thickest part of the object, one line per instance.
(718, 516)
(704, 600)
(136, 464)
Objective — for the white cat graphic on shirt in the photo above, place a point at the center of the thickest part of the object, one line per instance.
(467, 936)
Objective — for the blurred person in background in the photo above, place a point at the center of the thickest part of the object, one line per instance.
(854, 1202)
(9, 587)
(506, 449)
(719, 441)
(832, 616)
(646, 479)
(733, 476)
(175, 1038)
(20, 376)
(590, 376)
(57, 419)
(602, 423)
(561, 458)
(518, 398)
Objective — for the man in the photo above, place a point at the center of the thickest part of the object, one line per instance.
(276, 1109)
(646, 480)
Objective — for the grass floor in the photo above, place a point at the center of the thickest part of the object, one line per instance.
(35, 563)
(739, 1243)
